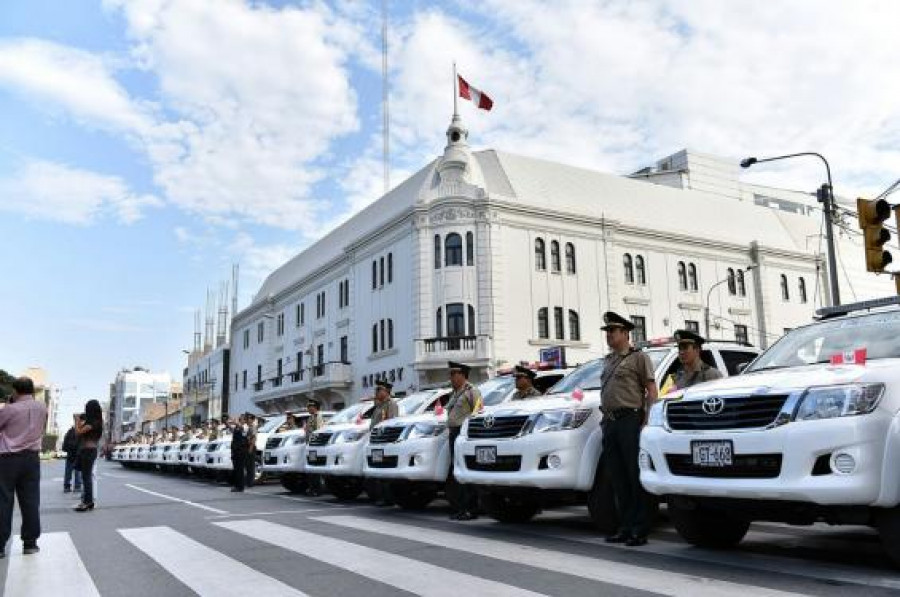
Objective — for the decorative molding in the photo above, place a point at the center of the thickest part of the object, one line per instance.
(635, 300)
(739, 311)
(690, 306)
(452, 215)
(343, 323)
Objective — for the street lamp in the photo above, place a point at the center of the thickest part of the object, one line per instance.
(709, 294)
(827, 198)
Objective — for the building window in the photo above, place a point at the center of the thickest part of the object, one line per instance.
(540, 257)
(390, 335)
(692, 277)
(390, 268)
(278, 366)
(692, 326)
(345, 354)
(570, 258)
(381, 272)
(470, 248)
(279, 325)
(246, 338)
(732, 282)
(299, 374)
(341, 294)
(298, 314)
(439, 323)
(543, 324)
(260, 332)
(802, 288)
(437, 251)
(471, 320)
(628, 264)
(259, 374)
(374, 274)
(554, 256)
(574, 326)
(323, 305)
(244, 379)
(453, 250)
(682, 276)
(640, 329)
(740, 334)
(374, 338)
(455, 320)
(741, 286)
(381, 334)
(558, 323)
(347, 293)
(235, 381)
(785, 291)
(320, 360)
(640, 270)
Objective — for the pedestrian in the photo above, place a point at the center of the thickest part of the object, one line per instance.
(628, 390)
(464, 401)
(73, 468)
(385, 409)
(250, 463)
(525, 384)
(238, 454)
(22, 424)
(693, 370)
(313, 423)
(90, 430)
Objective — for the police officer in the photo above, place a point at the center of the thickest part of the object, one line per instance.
(693, 370)
(385, 409)
(525, 384)
(313, 423)
(238, 454)
(251, 426)
(628, 390)
(463, 403)
(289, 423)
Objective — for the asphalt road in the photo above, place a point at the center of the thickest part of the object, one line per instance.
(157, 535)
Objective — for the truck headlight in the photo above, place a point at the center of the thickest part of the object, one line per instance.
(348, 437)
(828, 402)
(420, 430)
(657, 417)
(558, 420)
(297, 440)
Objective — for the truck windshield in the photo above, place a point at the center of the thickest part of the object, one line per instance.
(272, 424)
(657, 355)
(494, 391)
(817, 343)
(350, 413)
(414, 402)
(585, 377)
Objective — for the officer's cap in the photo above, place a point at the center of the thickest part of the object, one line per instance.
(612, 320)
(460, 367)
(525, 372)
(312, 402)
(381, 383)
(689, 337)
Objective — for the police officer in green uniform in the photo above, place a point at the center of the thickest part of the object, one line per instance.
(693, 370)
(385, 409)
(464, 401)
(525, 384)
(313, 424)
(628, 390)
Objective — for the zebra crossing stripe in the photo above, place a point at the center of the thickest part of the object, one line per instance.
(56, 570)
(205, 571)
(664, 582)
(403, 573)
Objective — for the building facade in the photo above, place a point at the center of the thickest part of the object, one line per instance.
(488, 257)
(206, 385)
(130, 395)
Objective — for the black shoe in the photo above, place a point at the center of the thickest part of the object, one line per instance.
(636, 541)
(30, 548)
(236, 490)
(82, 507)
(2, 553)
(464, 516)
(618, 538)
(67, 490)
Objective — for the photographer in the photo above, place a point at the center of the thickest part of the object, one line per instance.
(70, 447)
(90, 430)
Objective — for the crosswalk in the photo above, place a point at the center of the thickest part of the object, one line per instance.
(414, 555)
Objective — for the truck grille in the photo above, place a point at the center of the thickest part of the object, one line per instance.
(745, 412)
(320, 439)
(386, 462)
(496, 427)
(270, 460)
(746, 466)
(317, 461)
(273, 442)
(385, 435)
(504, 464)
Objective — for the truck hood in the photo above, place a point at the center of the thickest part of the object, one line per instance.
(290, 433)
(553, 402)
(428, 417)
(345, 427)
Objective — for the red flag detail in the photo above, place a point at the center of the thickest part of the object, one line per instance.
(476, 96)
(359, 419)
(439, 409)
(578, 394)
(850, 357)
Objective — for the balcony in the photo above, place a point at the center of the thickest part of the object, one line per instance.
(437, 351)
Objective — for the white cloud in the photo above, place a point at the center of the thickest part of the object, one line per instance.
(258, 261)
(50, 191)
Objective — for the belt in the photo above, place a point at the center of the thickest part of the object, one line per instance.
(21, 453)
(621, 413)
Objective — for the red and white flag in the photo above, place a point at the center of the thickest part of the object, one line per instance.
(849, 357)
(439, 409)
(476, 96)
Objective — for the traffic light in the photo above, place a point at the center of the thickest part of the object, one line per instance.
(872, 215)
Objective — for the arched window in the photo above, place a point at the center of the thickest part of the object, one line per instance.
(574, 326)
(471, 320)
(375, 338)
(543, 324)
(802, 283)
(437, 251)
(453, 250)
(682, 276)
(558, 323)
(692, 277)
(439, 324)
(374, 275)
(455, 320)
(628, 263)
(554, 256)
(732, 282)
(570, 258)
(785, 291)
(640, 270)
(741, 286)
(470, 248)
(390, 267)
(390, 342)
(540, 257)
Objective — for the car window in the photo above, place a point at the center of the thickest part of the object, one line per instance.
(657, 356)
(734, 358)
(350, 413)
(545, 382)
(494, 391)
(586, 377)
(272, 424)
(412, 403)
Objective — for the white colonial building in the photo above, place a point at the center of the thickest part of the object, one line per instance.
(487, 257)
(130, 395)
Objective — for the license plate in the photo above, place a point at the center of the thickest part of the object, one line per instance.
(713, 453)
(377, 455)
(486, 455)
(311, 455)
(267, 455)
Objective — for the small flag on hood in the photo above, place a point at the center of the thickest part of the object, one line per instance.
(850, 357)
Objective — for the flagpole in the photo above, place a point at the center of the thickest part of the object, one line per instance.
(455, 93)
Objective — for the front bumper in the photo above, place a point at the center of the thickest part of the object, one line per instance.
(218, 461)
(340, 460)
(288, 459)
(424, 459)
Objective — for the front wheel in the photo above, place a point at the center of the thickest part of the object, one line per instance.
(294, 483)
(509, 508)
(344, 489)
(410, 497)
(705, 527)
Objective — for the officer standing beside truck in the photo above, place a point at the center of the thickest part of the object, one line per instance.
(463, 403)
(628, 390)
(385, 409)
(313, 423)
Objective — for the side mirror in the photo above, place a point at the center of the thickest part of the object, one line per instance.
(742, 366)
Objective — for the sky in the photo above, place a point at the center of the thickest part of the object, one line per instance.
(145, 147)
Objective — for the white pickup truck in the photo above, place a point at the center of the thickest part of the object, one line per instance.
(284, 453)
(413, 452)
(539, 453)
(810, 433)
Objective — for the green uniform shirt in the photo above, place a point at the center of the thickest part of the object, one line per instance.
(531, 392)
(384, 411)
(461, 404)
(686, 379)
(624, 380)
(314, 423)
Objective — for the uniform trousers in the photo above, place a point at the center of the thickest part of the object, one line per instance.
(467, 498)
(621, 443)
(20, 478)
(250, 468)
(239, 469)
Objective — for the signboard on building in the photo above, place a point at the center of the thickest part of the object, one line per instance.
(554, 355)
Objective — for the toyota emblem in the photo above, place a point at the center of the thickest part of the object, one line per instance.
(713, 405)
(489, 421)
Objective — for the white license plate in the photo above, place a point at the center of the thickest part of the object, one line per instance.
(267, 455)
(377, 455)
(311, 455)
(486, 455)
(713, 453)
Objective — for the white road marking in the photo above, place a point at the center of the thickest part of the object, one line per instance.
(175, 499)
(664, 582)
(279, 512)
(204, 570)
(56, 570)
(398, 571)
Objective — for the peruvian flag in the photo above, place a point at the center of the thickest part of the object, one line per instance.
(476, 96)
(850, 357)
(439, 409)
(359, 419)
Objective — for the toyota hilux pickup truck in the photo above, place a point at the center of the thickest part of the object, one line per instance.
(413, 452)
(526, 456)
(809, 433)
(284, 453)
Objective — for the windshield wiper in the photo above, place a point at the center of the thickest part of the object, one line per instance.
(769, 368)
(592, 388)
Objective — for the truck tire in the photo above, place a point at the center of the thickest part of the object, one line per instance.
(704, 527)
(294, 483)
(888, 524)
(601, 503)
(410, 497)
(344, 489)
(509, 508)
